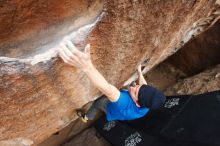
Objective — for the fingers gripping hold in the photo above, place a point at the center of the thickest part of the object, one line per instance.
(63, 55)
(71, 55)
(72, 48)
(139, 68)
(66, 54)
(87, 49)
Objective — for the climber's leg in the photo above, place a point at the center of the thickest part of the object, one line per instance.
(99, 104)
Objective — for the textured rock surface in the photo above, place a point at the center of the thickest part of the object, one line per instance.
(164, 76)
(199, 53)
(38, 100)
(88, 137)
(29, 27)
(206, 81)
(74, 129)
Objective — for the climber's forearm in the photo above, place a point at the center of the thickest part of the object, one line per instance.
(100, 82)
(97, 79)
(71, 55)
(141, 79)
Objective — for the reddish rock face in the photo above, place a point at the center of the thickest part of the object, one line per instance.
(30, 27)
(38, 98)
(203, 82)
(199, 53)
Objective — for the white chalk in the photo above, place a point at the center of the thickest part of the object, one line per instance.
(76, 37)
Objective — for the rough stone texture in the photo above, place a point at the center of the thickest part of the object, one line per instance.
(29, 27)
(39, 100)
(206, 81)
(199, 53)
(163, 76)
(70, 131)
(65, 134)
(88, 137)
(16, 142)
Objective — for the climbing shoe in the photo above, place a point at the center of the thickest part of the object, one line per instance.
(82, 116)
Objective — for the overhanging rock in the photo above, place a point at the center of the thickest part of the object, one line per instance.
(206, 81)
(39, 92)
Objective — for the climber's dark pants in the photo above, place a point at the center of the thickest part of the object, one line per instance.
(99, 104)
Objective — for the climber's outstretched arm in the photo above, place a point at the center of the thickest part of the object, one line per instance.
(71, 55)
(141, 79)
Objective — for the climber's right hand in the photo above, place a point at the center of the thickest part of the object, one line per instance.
(72, 56)
(141, 78)
(139, 69)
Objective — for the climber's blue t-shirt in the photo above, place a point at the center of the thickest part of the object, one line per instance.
(124, 108)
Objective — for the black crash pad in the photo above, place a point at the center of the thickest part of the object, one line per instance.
(184, 120)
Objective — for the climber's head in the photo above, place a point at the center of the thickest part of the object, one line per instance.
(133, 91)
(147, 96)
(150, 97)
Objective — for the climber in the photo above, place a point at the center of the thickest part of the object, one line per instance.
(119, 105)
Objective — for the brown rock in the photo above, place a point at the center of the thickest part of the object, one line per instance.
(199, 53)
(88, 137)
(39, 98)
(200, 83)
(164, 76)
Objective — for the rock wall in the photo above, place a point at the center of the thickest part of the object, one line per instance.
(39, 93)
(206, 81)
(199, 53)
